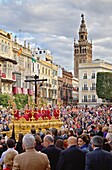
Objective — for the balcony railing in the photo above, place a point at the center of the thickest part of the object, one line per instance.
(89, 100)
(84, 77)
(92, 77)
(84, 88)
(92, 88)
(13, 77)
(3, 75)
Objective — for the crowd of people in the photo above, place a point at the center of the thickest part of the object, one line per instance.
(84, 142)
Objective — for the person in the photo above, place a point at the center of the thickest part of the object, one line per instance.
(19, 147)
(83, 143)
(60, 144)
(8, 160)
(72, 157)
(38, 145)
(31, 159)
(99, 132)
(51, 151)
(109, 134)
(10, 146)
(98, 159)
(55, 134)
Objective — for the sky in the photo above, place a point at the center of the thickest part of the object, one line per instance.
(53, 25)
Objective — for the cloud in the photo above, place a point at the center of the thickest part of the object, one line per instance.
(54, 24)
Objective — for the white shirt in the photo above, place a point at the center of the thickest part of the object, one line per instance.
(4, 154)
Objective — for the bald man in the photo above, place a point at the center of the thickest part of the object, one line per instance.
(51, 151)
(72, 157)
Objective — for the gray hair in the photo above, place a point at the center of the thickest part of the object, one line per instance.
(97, 141)
(28, 141)
(49, 138)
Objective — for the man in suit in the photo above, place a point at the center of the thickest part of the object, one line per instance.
(98, 159)
(51, 151)
(31, 159)
(72, 158)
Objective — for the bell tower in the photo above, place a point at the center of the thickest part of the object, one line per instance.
(82, 48)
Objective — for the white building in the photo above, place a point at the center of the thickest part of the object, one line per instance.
(75, 93)
(87, 81)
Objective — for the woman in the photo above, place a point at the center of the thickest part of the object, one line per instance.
(8, 160)
(38, 145)
(83, 143)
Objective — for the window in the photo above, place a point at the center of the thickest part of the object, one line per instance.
(85, 98)
(43, 70)
(49, 72)
(80, 61)
(33, 67)
(46, 71)
(93, 76)
(82, 37)
(37, 66)
(85, 76)
(4, 87)
(85, 87)
(9, 87)
(93, 98)
(93, 84)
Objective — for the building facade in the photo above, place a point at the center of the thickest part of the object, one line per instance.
(24, 69)
(15, 66)
(87, 81)
(82, 49)
(7, 63)
(75, 92)
(47, 70)
(67, 87)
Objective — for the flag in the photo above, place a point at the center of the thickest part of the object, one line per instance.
(33, 60)
(20, 51)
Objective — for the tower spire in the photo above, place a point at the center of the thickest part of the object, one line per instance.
(82, 49)
(82, 30)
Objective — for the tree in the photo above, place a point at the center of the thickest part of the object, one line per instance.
(104, 85)
(4, 98)
(21, 100)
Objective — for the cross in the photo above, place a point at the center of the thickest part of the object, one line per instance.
(36, 78)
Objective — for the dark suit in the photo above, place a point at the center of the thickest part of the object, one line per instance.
(53, 154)
(99, 160)
(71, 159)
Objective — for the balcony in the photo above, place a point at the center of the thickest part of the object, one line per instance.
(89, 100)
(17, 90)
(92, 77)
(92, 88)
(3, 75)
(85, 88)
(30, 92)
(13, 77)
(24, 91)
(84, 77)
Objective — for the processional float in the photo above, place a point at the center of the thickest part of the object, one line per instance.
(36, 116)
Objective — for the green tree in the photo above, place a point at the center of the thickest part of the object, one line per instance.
(4, 98)
(21, 100)
(104, 85)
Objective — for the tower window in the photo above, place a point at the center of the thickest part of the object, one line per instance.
(82, 37)
(80, 61)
